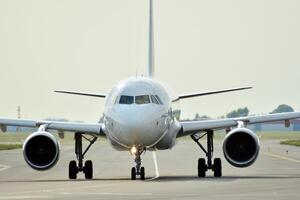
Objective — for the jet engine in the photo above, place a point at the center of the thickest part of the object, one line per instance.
(241, 147)
(41, 150)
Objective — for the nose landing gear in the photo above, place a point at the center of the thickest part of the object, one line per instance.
(138, 170)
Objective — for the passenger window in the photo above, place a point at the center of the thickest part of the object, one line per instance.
(126, 99)
(143, 99)
(159, 100)
(154, 100)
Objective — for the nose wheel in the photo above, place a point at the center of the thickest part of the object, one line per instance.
(135, 173)
(138, 170)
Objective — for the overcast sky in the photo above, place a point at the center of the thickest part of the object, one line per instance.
(89, 45)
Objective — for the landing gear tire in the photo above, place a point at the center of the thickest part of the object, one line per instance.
(202, 168)
(216, 165)
(88, 169)
(217, 168)
(142, 173)
(73, 170)
(133, 173)
(76, 167)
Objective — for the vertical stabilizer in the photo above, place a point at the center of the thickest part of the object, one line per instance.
(151, 42)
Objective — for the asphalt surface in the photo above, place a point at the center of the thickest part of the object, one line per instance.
(275, 175)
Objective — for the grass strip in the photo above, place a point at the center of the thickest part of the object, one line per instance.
(10, 146)
(291, 142)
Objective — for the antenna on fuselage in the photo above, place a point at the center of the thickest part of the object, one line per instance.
(151, 42)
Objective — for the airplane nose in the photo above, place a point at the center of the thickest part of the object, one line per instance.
(138, 131)
(140, 128)
(136, 123)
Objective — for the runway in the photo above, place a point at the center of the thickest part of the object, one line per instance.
(275, 175)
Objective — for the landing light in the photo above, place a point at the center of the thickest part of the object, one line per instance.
(133, 150)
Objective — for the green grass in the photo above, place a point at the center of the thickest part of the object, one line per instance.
(279, 135)
(20, 137)
(10, 146)
(13, 137)
(291, 142)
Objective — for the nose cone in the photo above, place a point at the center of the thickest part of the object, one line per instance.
(142, 126)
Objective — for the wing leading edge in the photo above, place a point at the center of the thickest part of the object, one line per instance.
(80, 93)
(92, 128)
(185, 96)
(192, 127)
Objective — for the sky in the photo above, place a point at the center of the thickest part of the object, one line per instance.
(90, 45)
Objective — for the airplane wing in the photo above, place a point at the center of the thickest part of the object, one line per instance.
(192, 127)
(81, 93)
(92, 128)
(185, 96)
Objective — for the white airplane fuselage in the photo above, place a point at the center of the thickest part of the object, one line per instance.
(138, 112)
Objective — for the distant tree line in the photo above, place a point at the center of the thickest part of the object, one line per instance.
(282, 108)
(243, 112)
(240, 112)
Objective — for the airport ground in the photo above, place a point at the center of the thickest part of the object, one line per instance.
(275, 175)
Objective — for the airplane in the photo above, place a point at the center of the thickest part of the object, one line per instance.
(139, 115)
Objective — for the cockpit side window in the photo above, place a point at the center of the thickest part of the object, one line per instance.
(143, 99)
(154, 100)
(126, 99)
(159, 100)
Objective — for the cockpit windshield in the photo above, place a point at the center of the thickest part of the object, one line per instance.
(143, 99)
(126, 99)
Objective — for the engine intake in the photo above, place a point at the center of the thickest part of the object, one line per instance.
(241, 147)
(41, 150)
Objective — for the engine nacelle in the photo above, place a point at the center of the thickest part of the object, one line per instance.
(41, 150)
(241, 147)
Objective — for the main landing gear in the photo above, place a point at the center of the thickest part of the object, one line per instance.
(87, 169)
(216, 166)
(138, 170)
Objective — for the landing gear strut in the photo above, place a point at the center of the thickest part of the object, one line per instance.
(138, 170)
(87, 168)
(215, 166)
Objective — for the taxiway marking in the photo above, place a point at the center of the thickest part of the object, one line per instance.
(24, 197)
(155, 166)
(62, 190)
(116, 194)
(4, 167)
(282, 157)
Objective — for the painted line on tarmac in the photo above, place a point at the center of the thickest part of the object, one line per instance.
(24, 197)
(114, 194)
(58, 190)
(155, 165)
(282, 157)
(4, 167)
